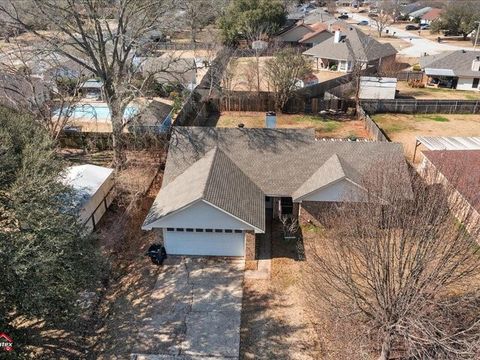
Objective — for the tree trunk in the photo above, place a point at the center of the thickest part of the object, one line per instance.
(386, 347)
(116, 115)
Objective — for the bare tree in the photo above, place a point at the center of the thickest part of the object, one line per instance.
(385, 16)
(332, 6)
(284, 71)
(41, 84)
(404, 266)
(101, 36)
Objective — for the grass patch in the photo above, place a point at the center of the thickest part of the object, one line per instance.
(436, 118)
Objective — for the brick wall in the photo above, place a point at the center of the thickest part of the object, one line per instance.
(250, 246)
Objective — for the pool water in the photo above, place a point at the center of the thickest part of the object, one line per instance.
(97, 112)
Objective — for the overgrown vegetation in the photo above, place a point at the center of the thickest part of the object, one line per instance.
(241, 16)
(46, 258)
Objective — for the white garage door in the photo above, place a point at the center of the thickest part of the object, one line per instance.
(205, 243)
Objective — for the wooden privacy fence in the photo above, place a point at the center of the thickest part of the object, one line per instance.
(265, 101)
(373, 129)
(410, 76)
(422, 106)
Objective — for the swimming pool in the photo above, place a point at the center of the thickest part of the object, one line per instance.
(97, 112)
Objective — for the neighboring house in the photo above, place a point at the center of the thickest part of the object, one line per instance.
(219, 182)
(93, 192)
(155, 118)
(23, 92)
(294, 34)
(459, 172)
(458, 69)
(419, 13)
(431, 16)
(377, 87)
(92, 89)
(340, 51)
(410, 8)
(318, 16)
(167, 70)
(316, 37)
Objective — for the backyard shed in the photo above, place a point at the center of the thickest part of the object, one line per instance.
(372, 87)
(92, 186)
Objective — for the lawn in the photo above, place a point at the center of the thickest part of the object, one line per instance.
(325, 127)
(434, 93)
(405, 128)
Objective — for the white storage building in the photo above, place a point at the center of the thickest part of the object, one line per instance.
(93, 187)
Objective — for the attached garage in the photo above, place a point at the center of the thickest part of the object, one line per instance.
(204, 242)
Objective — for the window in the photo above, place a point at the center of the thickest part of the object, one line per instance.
(170, 229)
(238, 231)
(198, 230)
(218, 230)
(475, 83)
(208, 230)
(189, 230)
(228, 231)
(179, 229)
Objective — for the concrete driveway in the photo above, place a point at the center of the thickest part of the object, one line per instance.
(195, 312)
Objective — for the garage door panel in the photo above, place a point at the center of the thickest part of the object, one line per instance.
(204, 244)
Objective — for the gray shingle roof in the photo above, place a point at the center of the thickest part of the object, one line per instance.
(459, 61)
(235, 168)
(212, 178)
(355, 45)
(334, 169)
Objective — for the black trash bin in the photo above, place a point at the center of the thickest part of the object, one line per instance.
(157, 254)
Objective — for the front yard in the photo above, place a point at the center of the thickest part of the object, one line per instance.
(406, 91)
(405, 128)
(325, 127)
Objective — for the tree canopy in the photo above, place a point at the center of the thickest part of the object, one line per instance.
(45, 256)
(244, 15)
(459, 17)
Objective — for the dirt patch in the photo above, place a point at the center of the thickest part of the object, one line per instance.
(325, 127)
(405, 128)
(275, 324)
(406, 91)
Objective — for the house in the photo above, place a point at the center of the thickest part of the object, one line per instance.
(155, 118)
(419, 13)
(410, 8)
(457, 69)
(294, 34)
(320, 34)
(340, 51)
(219, 183)
(458, 171)
(23, 92)
(92, 89)
(433, 15)
(318, 16)
(372, 87)
(92, 190)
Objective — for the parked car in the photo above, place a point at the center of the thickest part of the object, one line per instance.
(425, 27)
(362, 11)
(343, 17)
(363, 23)
(412, 27)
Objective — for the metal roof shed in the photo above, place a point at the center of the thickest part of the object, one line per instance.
(447, 143)
(92, 186)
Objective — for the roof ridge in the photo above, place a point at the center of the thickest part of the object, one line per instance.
(215, 150)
